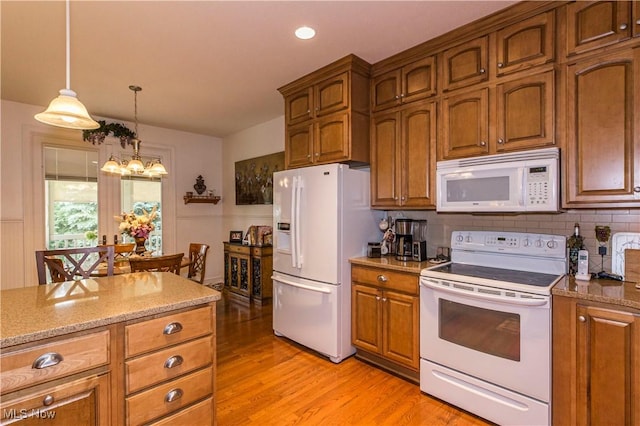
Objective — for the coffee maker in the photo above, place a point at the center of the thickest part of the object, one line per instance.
(404, 239)
(419, 238)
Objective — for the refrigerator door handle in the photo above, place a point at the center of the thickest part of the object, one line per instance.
(299, 285)
(299, 187)
(294, 225)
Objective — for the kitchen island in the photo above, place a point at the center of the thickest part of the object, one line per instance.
(126, 349)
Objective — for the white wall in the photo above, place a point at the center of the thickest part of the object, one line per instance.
(21, 230)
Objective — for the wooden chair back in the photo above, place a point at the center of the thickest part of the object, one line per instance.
(197, 261)
(168, 263)
(72, 263)
(122, 251)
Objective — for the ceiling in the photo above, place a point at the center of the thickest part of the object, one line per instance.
(207, 67)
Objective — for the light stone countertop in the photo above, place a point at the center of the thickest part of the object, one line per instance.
(33, 313)
(390, 262)
(621, 293)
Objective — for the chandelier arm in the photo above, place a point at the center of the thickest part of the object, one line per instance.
(68, 48)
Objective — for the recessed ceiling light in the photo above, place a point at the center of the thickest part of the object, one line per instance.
(305, 33)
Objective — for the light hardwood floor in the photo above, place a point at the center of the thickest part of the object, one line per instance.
(269, 380)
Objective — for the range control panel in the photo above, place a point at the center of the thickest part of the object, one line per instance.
(519, 243)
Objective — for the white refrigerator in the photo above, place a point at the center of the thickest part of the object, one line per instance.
(321, 218)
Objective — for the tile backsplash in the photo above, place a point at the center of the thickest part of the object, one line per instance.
(440, 226)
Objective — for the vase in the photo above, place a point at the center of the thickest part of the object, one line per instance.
(140, 242)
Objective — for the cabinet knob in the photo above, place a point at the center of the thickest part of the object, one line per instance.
(483, 143)
(401, 95)
(500, 141)
(382, 278)
(377, 297)
(384, 299)
(172, 328)
(308, 155)
(581, 318)
(623, 26)
(47, 400)
(482, 71)
(397, 97)
(173, 361)
(636, 189)
(317, 154)
(500, 65)
(638, 22)
(173, 395)
(47, 360)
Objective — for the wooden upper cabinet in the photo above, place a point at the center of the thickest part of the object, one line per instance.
(525, 113)
(466, 64)
(327, 115)
(595, 24)
(465, 125)
(636, 18)
(526, 44)
(602, 157)
(332, 94)
(410, 83)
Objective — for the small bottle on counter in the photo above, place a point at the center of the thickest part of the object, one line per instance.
(115, 239)
(575, 243)
(104, 240)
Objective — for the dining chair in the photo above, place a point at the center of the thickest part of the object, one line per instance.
(73, 263)
(122, 251)
(197, 261)
(168, 263)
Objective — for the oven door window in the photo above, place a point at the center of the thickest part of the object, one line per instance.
(491, 332)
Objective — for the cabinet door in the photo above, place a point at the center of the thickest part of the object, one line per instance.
(385, 160)
(595, 24)
(366, 318)
(636, 18)
(526, 44)
(608, 367)
(298, 106)
(332, 95)
(466, 64)
(82, 402)
(418, 80)
(240, 274)
(400, 328)
(385, 90)
(418, 151)
(299, 145)
(465, 125)
(332, 142)
(525, 113)
(603, 143)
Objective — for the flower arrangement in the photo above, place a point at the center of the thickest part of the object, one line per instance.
(137, 225)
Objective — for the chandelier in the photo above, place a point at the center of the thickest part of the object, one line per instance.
(66, 110)
(135, 166)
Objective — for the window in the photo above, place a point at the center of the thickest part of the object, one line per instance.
(139, 195)
(71, 197)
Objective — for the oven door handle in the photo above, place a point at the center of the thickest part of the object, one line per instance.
(480, 296)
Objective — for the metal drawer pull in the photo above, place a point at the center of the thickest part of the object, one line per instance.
(173, 395)
(47, 400)
(174, 361)
(172, 328)
(47, 360)
(382, 278)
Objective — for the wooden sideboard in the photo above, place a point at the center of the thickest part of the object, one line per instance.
(247, 272)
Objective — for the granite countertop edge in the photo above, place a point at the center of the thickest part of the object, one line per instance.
(390, 262)
(101, 322)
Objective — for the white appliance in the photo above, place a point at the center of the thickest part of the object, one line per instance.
(321, 218)
(525, 181)
(485, 325)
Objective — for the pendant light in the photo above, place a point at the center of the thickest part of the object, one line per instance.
(135, 166)
(66, 110)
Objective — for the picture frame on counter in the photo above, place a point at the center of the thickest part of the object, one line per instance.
(235, 237)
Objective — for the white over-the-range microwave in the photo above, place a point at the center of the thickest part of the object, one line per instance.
(519, 182)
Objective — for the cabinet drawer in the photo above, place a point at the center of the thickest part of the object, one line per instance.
(166, 364)
(202, 413)
(156, 402)
(165, 331)
(238, 249)
(385, 278)
(56, 359)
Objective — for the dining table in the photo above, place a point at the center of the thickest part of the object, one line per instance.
(121, 266)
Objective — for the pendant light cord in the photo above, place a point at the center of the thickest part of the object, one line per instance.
(68, 50)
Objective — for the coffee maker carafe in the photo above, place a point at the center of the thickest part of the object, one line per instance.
(419, 235)
(404, 239)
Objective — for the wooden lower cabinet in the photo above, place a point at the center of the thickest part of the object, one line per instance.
(248, 271)
(596, 363)
(154, 369)
(385, 319)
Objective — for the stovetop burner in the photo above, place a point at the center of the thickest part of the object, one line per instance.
(498, 274)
